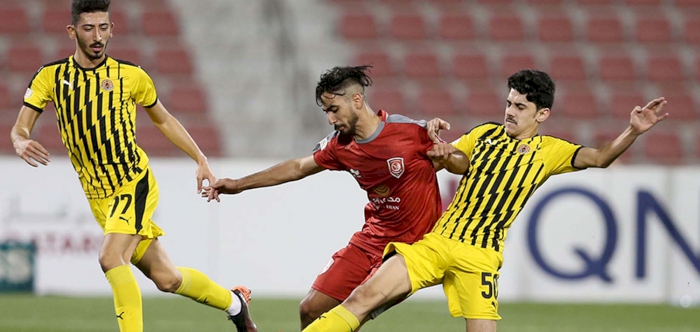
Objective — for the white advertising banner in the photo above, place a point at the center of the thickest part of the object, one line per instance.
(625, 234)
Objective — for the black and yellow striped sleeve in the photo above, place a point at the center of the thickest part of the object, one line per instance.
(41, 89)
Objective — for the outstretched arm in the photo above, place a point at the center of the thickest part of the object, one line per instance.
(642, 119)
(290, 170)
(178, 135)
(27, 149)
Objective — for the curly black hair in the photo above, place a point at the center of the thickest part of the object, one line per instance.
(87, 6)
(537, 85)
(336, 80)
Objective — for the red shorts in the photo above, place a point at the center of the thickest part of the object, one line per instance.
(347, 269)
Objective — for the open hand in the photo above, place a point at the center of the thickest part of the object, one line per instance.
(434, 126)
(642, 119)
(32, 152)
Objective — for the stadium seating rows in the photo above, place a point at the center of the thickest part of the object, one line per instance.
(147, 33)
(450, 58)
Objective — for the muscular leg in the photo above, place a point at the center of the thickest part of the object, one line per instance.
(481, 325)
(313, 305)
(157, 266)
(114, 259)
(389, 283)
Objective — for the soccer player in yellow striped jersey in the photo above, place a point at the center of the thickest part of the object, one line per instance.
(502, 165)
(95, 97)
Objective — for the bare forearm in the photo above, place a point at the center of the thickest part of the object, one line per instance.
(177, 134)
(456, 164)
(614, 149)
(283, 172)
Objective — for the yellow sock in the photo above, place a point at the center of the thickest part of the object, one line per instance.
(127, 298)
(197, 286)
(338, 319)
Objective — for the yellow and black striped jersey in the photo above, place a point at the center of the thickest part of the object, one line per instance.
(96, 113)
(503, 173)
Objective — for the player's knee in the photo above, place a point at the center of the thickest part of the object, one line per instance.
(167, 282)
(308, 311)
(109, 260)
(363, 294)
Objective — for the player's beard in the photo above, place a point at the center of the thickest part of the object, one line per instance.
(352, 124)
(89, 53)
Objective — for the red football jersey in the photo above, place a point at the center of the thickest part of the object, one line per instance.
(394, 169)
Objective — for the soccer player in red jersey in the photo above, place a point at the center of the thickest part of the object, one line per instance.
(387, 155)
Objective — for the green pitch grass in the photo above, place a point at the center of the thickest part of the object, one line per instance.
(27, 313)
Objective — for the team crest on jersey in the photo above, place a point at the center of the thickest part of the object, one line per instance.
(107, 84)
(523, 148)
(396, 166)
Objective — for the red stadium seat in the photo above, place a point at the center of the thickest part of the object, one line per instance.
(616, 67)
(126, 52)
(379, 60)
(510, 64)
(601, 137)
(470, 66)
(13, 20)
(545, 2)
(663, 147)
(173, 61)
(153, 141)
(642, 2)
(681, 105)
(652, 30)
(447, 2)
(686, 3)
(422, 65)
(457, 27)
(435, 102)
(408, 27)
(697, 68)
(208, 139)
(692, 30)
(595, 2)
(24, 58)
(567, 67)
(485, 102)
(4, 96)
(159, 22)
(391, 100)
(664, 68)
(5, 144)
(623, 102)
(506, 27)
(495, 2)
(120, 20)
(56, 19)
(358, 26)
(579, 103)
(189, 100)
(604, 29)
(555, 28)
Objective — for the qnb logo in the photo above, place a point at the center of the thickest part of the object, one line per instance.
(597, 264)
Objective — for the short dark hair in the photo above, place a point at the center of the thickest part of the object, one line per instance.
(87, 6)
(336, 80)
(537, 85)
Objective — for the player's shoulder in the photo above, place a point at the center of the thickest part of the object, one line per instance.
(330, 138)
(485, 128)
(402, 119)
(127, 65)
(52, 65)
(551, 140)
